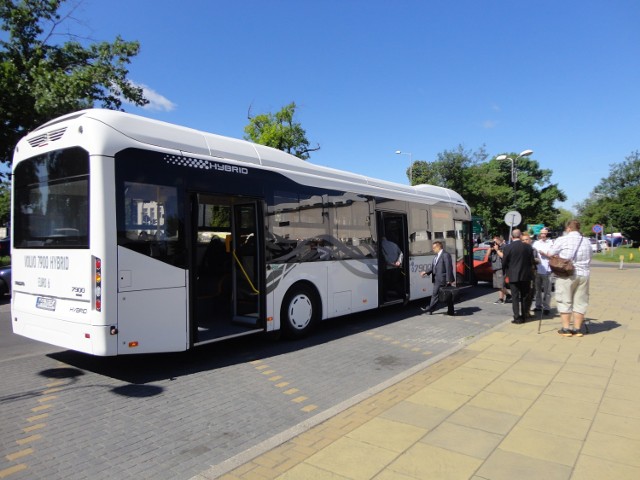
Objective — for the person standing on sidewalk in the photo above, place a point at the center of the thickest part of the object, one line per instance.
(543, 277)
(572, 293)
(495, 258)
(526, 238)
(518, 263)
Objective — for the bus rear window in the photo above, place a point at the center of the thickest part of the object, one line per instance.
(51, 200)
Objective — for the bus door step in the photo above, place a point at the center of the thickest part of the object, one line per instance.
(250, 320)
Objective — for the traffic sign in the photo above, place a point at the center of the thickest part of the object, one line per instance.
(535, 228)
(513, 218)
(596, 228)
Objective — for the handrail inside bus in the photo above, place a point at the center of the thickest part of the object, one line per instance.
(245, 273)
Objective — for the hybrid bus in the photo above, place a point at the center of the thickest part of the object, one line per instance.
(131, 235)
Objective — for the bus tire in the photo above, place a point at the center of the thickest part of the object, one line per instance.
(300, 311)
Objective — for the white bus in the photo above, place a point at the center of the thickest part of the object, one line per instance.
(135, 236)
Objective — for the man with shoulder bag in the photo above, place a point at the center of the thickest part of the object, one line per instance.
(570, 261)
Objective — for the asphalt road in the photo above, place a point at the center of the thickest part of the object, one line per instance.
(68, 415)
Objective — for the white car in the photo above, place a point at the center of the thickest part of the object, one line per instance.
(596, 246)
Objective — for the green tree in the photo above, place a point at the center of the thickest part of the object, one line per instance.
(563, 217)
(450, 168)
(279, 131)
(40, 79)
(622, 175)
(5, 203)
(620, 213)
(615, 201)
(487, 187)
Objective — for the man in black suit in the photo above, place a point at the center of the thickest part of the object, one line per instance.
(518, 263)
(441, 271)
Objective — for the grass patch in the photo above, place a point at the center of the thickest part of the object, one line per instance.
(631, 255)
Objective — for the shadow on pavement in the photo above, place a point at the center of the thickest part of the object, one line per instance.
(146, 368)
(594, 326)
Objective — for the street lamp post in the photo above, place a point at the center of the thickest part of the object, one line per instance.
(398, 152)
(514, 169)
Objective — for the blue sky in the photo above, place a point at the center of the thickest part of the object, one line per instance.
(559, 77)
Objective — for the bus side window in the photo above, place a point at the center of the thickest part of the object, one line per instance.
(149, 224)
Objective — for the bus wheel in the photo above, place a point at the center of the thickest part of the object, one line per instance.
(299, 311)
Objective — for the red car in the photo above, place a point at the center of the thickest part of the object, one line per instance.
(481, 264)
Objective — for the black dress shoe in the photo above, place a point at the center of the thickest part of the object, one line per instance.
(425, 309)
(451, 314)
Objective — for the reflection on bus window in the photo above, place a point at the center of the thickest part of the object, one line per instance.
(51, 200)
(151, 222)
(318, 228)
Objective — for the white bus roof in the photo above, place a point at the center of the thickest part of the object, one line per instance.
(191, 141)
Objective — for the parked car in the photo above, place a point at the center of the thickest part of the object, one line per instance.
(5, 280)
(481, 264)
(596, 246)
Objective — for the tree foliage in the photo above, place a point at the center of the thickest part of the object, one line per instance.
(487, 187)
(41, 79)
(5, 202)
(622, 175)
(280, 131)
(615, 201)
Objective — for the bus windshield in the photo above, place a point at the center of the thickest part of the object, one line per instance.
(51, 200)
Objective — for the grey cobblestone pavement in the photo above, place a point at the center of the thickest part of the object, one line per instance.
(66, 415)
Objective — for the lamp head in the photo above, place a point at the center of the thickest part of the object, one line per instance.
(525, 153)
(501, 157)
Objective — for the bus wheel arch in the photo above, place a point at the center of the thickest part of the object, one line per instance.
(300, 310)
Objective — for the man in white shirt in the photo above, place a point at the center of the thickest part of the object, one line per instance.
(543, 277)
(572, 293)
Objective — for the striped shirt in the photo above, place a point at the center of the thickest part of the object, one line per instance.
(566, 247)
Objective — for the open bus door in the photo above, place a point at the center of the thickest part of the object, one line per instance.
(226, 268)
(393, 281)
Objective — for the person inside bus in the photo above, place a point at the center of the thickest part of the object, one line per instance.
(392, 253)
(393, 257)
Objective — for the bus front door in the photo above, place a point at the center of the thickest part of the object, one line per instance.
(226, 268)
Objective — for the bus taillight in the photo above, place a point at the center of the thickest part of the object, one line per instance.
(98, 284)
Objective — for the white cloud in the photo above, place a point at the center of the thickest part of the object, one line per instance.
(156, 101)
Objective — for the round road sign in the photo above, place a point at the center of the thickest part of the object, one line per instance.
(513, 218)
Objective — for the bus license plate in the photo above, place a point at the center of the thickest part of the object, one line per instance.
(46, 303)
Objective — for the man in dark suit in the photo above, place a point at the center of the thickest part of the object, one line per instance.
(518, 262)
(441, 271)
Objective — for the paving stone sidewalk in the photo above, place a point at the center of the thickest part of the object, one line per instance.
(520, 402)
